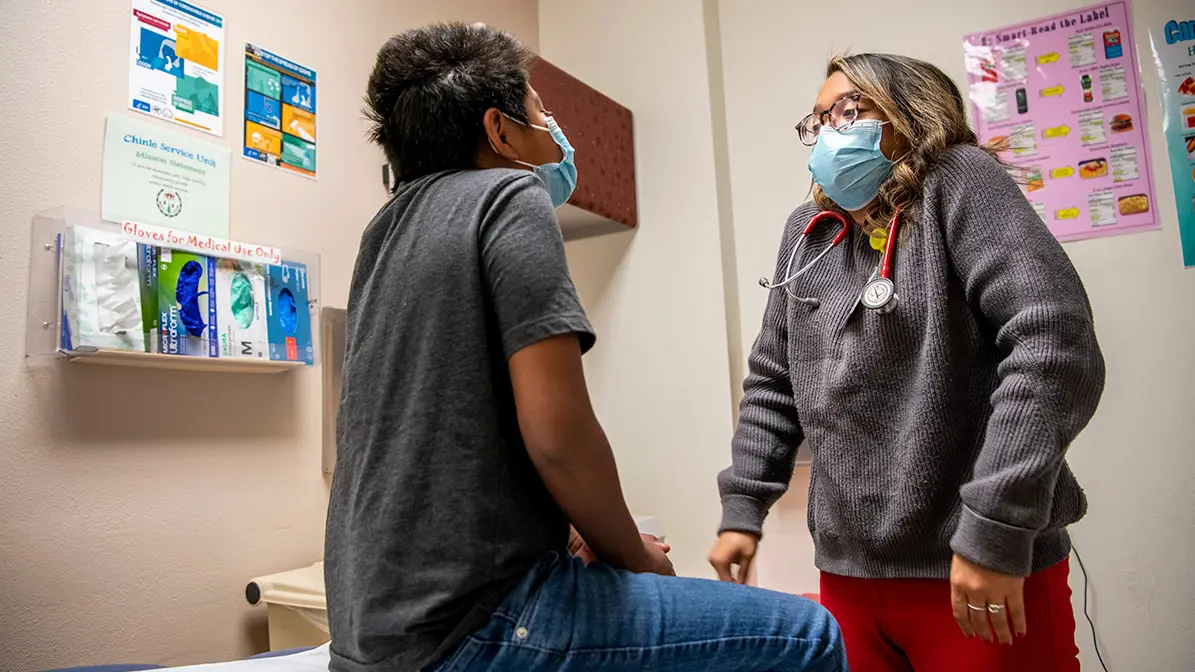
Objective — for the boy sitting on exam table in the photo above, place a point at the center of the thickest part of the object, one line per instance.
(467, 443)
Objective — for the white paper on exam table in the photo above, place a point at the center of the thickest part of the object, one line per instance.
(314, 660)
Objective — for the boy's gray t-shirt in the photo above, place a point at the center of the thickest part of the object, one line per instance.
(435, 507)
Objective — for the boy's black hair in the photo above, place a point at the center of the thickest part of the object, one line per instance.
(430, 88)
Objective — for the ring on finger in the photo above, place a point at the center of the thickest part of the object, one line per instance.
(972, 607)
(994, 608)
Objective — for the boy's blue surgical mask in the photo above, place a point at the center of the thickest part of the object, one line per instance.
(848, 164)
(560, 177)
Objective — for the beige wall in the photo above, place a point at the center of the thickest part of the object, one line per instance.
(1135, 460)
(129, 526)
(659, 374)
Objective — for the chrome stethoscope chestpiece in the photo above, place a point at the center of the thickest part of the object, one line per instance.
(880, 295)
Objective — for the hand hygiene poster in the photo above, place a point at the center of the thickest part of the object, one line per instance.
(1064, 93)
(176, 64)
(1174, 53)
(279, 111)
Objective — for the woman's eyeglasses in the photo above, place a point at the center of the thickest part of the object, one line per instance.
(841, 115)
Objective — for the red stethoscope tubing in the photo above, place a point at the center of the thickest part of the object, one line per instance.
(886, 264)
(829, 214)
(889, 245)
(883, 270)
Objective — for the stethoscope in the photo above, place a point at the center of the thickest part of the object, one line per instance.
(879, 294)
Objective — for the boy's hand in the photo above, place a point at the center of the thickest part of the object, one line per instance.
(655, 558)
(579, 549)
(656, 540)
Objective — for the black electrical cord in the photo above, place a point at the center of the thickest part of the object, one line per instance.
(1094, 640)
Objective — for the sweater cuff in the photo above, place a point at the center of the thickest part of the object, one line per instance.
(994, 545)
(742, 513)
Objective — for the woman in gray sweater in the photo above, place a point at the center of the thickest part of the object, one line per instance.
(938, 373)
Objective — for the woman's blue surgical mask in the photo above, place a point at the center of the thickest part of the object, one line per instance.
(560, 177)
(848, 164)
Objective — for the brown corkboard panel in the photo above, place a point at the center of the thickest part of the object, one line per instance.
(602, 133)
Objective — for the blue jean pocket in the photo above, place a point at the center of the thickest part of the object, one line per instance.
(528, 613)
(460, 659)
(525, 596)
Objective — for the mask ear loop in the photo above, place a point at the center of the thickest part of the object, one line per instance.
(528, 125)
(521, 163)
(495, 149)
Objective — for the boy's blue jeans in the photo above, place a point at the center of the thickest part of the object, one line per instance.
(572, 618)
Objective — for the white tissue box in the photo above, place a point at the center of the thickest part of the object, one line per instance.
(101, 291)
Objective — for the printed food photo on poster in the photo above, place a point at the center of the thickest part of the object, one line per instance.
(1063, 94)
(280, 118)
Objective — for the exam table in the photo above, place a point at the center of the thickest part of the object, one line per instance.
(297, 607)
(298, 622)
(305, 660)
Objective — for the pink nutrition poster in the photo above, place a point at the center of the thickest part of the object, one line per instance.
(1064, 93)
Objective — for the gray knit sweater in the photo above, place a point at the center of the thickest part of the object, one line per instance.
(943, 426)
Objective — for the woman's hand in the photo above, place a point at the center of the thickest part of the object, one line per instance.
(734, 549)
(979, 596)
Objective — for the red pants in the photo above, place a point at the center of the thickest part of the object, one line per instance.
(906, 625)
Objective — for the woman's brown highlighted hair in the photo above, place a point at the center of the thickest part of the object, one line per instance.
(925, 108)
